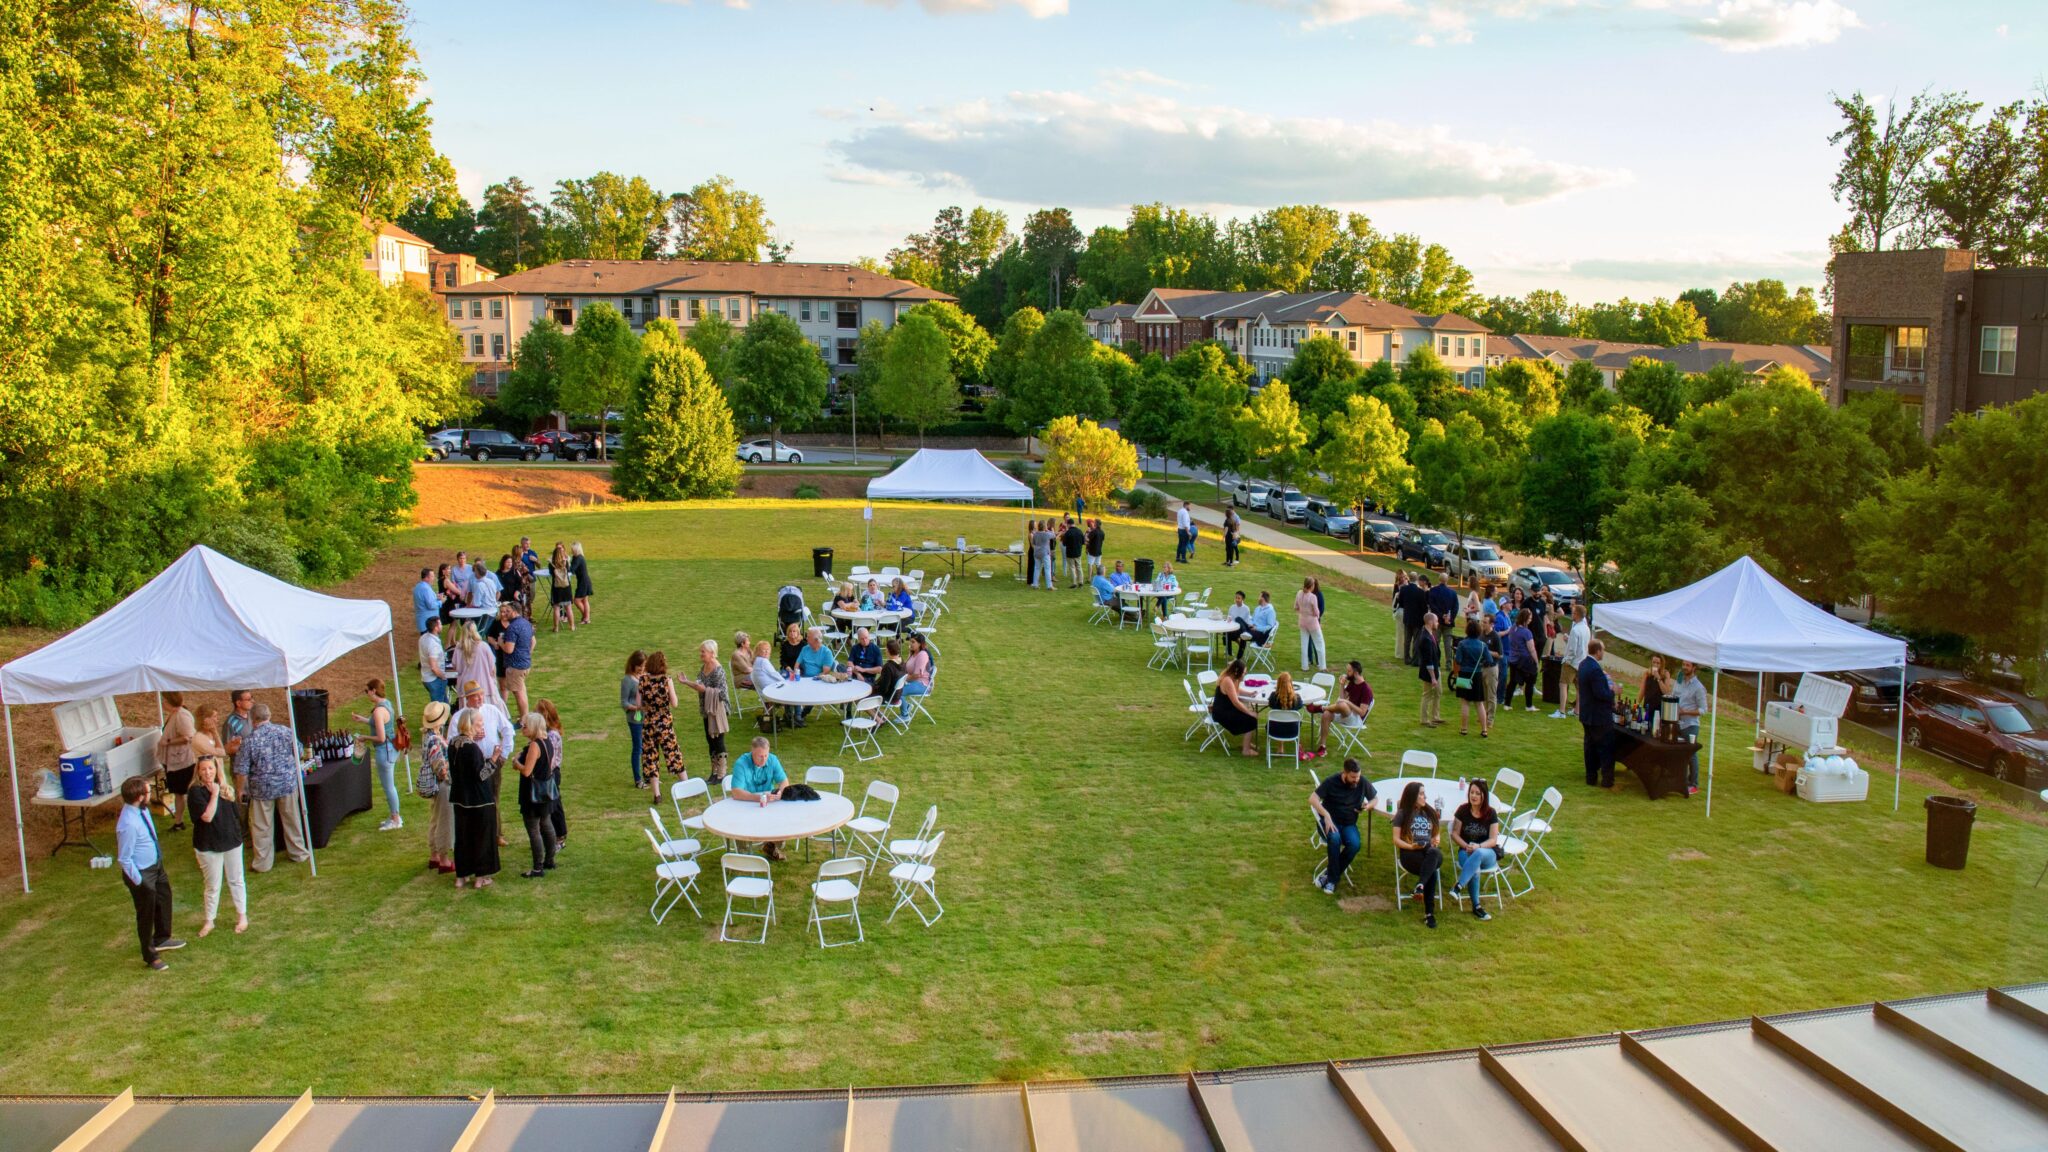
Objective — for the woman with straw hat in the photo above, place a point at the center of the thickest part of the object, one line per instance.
(433, 785)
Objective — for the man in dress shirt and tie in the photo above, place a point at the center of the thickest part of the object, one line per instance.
(142, 868)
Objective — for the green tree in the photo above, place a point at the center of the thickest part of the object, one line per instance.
(1211, 437)
(608, 216)
(534, 386)
(1434, 386)
(1532, 386)
(1085, 460)
(1666, 322)
(1958, 545)
(1972, 188)
(1663, 539)
(949, 256)
(1583, 384)
(1885, 163)
(1120, 378)
(1542, 312)
(679, 441)
(969, 343)
(1703, 301)
(1718, 382)
(778, 376)
(1763, 312)
(917, 385)
(718, 220)
(1284, 246)
(442, 218)
(1057, 375)
(859, 385)
(1158, 410)
(713, 338)
(1892, 427)
(1459, 474)
(1018, 332)
(511, 234)
(1365, 456)
(1572, 477)
(599, 365)
(1322, 375)
(1654, 386)
(1275, 434)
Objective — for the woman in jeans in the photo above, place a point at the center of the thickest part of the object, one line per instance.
(629, 702)
(917, 674)
(710, 688)
(1475, 829)
(1308, 616)
(217, 840)
(383, 752)
(1472, 657)
(536, 794)
(433, 785)
(1415, 840)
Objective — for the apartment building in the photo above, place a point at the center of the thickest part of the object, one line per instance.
(1944, 335)
(1613, 357)
(829, 302)
(1113, 324)
(397, 255)
(447, 270)
(1266, 327)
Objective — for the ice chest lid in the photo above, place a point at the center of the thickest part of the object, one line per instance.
(1820, 696)
(84, 721)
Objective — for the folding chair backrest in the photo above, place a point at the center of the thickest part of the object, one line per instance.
(917, 574)
(825, 774)
(1207, 678)
(682, 790)
(1416, 758)
(931, 821)
(880, 791)
(654, 842)
(1552, 801)
(852, 867)
(1507, 784)
(1325, 681)
(1283, 724)
(743, 864)
(931, 846)
(654, 814)
(868, 704)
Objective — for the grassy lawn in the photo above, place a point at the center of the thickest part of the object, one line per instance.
(1115, 902)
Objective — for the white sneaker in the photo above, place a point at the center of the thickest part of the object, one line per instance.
(1530, 708)
(1557, 715)
(391, 825)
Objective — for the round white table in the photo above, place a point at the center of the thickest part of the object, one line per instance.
(878, 615)
(1255, 690)
(777, 821)
(469, 613)
(1185, 627)
(1444, 795)
(815, 694)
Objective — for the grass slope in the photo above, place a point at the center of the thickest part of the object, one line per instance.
(1115, 903)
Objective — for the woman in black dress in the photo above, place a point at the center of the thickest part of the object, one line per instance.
(1231, 713)
(537, 794)
(476, 808)
(579, 571)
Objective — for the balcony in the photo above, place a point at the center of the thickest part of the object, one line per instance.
(1875, 370)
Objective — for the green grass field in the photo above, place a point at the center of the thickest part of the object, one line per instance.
(1115, 902)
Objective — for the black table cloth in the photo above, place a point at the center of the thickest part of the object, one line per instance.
(335, 791)
(1659, 764)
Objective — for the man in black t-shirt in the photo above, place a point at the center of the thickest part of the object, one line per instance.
(1413, 600)
(1095, 547)
(1071, 541)
(1337, 801)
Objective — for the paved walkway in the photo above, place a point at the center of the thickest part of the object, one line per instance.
(1279, 541)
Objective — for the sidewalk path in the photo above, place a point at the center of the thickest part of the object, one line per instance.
(1296, 547)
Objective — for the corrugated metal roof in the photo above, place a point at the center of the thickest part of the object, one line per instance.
(1963, 1072)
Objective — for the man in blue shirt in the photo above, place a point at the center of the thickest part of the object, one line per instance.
(814, 660)
(758, 778)
(528, 558)
(426, 602)
(1105, 590)
(864, 659)
(515, 639)
(1119, 577)
(142, 869)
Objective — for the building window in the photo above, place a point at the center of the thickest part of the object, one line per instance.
(1998, 350)
(455, 309)
(848, 347)
(626, 308)
(1461, 346)
(448, 277)
(497, 345)
(497, 309)
(1443, 345)
(675, 309)
(476, 309)
(849, 317)
(476, 345)
(696, 309)
(803, 308)
(1909, 349)
(732, 309)
(562, 311)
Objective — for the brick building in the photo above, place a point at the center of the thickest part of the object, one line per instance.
(1945, 335)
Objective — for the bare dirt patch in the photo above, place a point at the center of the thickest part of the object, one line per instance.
(459, 493)
(783, 485)
(1687, 854)
(1356, 905)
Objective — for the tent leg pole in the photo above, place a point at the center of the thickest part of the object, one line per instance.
(1759, 705)
(1713, 733)
(1899, 749)
(398, 704)
(20, 836)
(291, 711)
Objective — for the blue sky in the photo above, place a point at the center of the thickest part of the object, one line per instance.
(1604, 147)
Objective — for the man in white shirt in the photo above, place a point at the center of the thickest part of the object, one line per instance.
(1577, 643)
(434, 662)
(1184, 533)
(496, 741)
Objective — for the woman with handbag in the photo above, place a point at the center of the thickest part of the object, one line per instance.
(1308, 616)
(536, 794)
(383, 751)
(1471, 657)
(473, 797)
(556, 816)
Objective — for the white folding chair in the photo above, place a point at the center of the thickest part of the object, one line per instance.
(1206, 680)
(1197, 709)
(838, 884)
(1165, 647)
(1535, 824)
(1201, 601)
(747, 879)
(825, 778)
(891, 711)
(916, 576)
(672, 879)
(1505, 792)
(1201, 644)
(688, 789)
(672, 847)
(889, 572)
(1350, 731)
(919, 846)
(1495, 883)
(860, 730)
(1315, 837)
(1100, 611)
(1259, 657)
(1418, 759)
(1327, 682)
(913, 877)
(1404, 888)
(1283, 726)
(1129, 611)
(860, 573)
(926, 630)
(868, 832)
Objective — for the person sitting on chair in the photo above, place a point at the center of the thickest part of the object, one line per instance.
(1105, 592)
(1240, 616)
(1230, 711)
(767, 676)
(899, 600)
(1118, 577)
(1415, 841)
(1285, 697)
(845, 600)
(1354, 698)
(758, 779)
(871, 598)
(1475, 829)
(1337, 802)
(814, 661)
(890, 676)
(864, 658)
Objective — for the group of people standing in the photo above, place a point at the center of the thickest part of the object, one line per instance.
(464, 759)
(1079, 541)
(466, 583)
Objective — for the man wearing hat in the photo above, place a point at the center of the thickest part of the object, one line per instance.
(433, 785)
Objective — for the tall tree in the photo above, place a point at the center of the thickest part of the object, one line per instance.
(1885, 162)
(718, 220)
(1284, 246)
(534, 386)
(1322, 375)
(1655, 387)
(1275, 435)
(1434, 386)
(1532, 386)
(1663, 538)
(1365, 456)
(917, 385)
(953, 251)
(1211, 437)
(1158, 410)
(1667, 322)
(1703, 301)
(608, 216)
(1048, 261)
(1763, 312)
(1584, 386)
(600, 365)
(1571, 479)
(1459, 474)
(1970, 188)
(778, 376)
(511, 235)
(969, 345)
(679, 441)
(1542, 312)
(1057, 375)
(713, 338)
(1085, 461)
(442, 218)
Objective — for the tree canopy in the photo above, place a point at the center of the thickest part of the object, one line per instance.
(778, 376)
(679, 441)
(917, 385)
(1085, 460)
(599, 365)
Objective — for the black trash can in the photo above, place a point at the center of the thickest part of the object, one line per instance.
(821, 561)
(1141, 571)
(1948, 830)
(309, 713)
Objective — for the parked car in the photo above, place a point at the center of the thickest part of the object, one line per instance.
(1874, 694)
(1978, 726)
(1250, 493)
(561, 443)
(759, 451)
(1477, 560)
(445, 441)
(1381, 534)
(1425, 546)
(1564, 587)
(491, 444)
(1285, 504)
(1330, 518)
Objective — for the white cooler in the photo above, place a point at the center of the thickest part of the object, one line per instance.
(1812, 718)
(94, 726)
(1823, 785)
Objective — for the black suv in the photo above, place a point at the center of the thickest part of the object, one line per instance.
(491, 444)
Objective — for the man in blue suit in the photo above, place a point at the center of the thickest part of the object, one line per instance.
(1596, 714)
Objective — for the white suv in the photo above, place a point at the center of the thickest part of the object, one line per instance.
(1477, 560)
(1250, 493)
(1286, 504)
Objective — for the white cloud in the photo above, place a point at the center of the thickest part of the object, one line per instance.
(1089, 151)
(1750, 25)
(2001, 31)
(1036, 9)
(1141, 78)
(1668, 272)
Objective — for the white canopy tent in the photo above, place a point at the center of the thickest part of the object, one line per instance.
(1741, 618)
(206, 623)
(948, 474)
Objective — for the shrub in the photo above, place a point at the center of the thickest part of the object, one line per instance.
(1145, 502)
(807, 491)
(262, 543)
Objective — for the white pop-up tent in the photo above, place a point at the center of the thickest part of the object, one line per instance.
(1743, 619)
(948, 474)
(206, 623)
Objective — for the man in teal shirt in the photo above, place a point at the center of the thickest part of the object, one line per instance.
(758, 778)
(813, 660)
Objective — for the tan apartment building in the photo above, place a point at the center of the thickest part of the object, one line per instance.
(447, 270)
(1613, 357)
(396, 256)
(1265, 328)
(829, 302)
